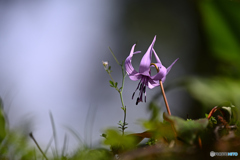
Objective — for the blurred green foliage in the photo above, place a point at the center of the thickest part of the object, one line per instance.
(221, 22)
(187, 130)
(91, 154)
(219, 64)
(2, 122)
(118, 142)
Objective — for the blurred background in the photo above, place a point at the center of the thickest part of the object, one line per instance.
(51, 55)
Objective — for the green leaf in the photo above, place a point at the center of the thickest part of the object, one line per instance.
(116, 83)
(104, 135)
(187, 130)
(120, 89)
(111, 83)
(120, 123)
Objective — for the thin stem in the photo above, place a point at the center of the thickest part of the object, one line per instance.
(165, 98)
(123, 106)
(111, 77)
(121, 97)
(31, 135)
(163, 92)
(124, 120)
(120, 90)
(114, 56)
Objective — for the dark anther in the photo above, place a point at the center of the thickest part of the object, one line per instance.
(145, 99)
(133, 95)
(140, 87)
(137, 101)
(144, 89)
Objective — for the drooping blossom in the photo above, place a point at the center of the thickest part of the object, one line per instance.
(144, 74)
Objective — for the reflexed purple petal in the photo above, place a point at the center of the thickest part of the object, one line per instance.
(128, 61)
(161, 74)
(169, 68)
(146, 60)
(146, 73)
(157, 58)
(136, 52)
(135, 76)
(151, 84)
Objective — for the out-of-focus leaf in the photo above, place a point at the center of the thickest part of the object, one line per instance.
(140, 136)
(221, 39)
(214, 91)
(119, 142)
(159, 130)
(15, 145)
(2, 123)
(187, 130)
(92, 154)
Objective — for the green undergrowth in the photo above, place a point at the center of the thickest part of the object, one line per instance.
(172, 138)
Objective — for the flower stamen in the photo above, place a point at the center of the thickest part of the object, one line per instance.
(136, 89)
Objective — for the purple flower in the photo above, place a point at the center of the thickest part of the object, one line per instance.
(144, 74)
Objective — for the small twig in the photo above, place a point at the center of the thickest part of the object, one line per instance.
(31, 135)
(211, 112)
(163, 92)
(165, 98)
